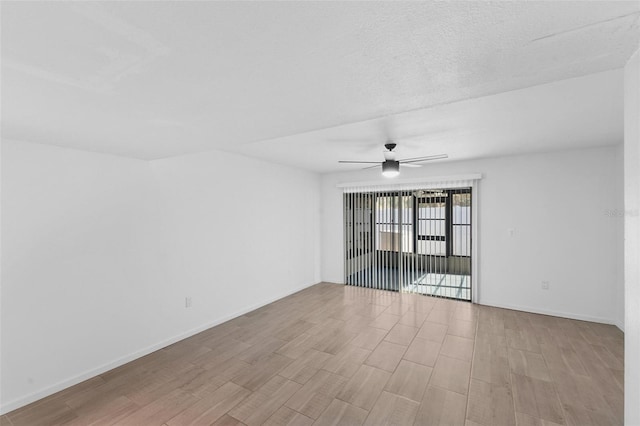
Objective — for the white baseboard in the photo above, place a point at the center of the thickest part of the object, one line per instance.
(569, 315)
(50, 390)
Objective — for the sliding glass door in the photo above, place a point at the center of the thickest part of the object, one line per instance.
(415, 241)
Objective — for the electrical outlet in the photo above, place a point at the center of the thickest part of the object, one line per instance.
(545, 285)
(187, 302)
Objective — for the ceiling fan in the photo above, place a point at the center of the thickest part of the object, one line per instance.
(391, 166)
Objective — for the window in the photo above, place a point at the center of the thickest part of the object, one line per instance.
(432, 224)
(390, 230)
(461, 224)
(427, 222)
(442, 222)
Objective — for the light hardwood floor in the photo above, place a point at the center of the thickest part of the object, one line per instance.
(341, 355)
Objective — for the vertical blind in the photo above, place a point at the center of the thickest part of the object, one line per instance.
(409, 240)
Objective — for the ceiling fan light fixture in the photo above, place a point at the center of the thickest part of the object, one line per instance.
(390, 168)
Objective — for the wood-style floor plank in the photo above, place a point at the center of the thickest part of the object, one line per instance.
(441, 407)
(369, 338)
(537, 398)
(462, 328)
(386, 356)
(409, 380)
(452, 374)
(344, 355)
(364, 387)
(423, 351)
(347, 361)
(316, 395)
(288, 417)
(527, 420)
(305, 367)
(212, 407)
(432, 331)
(340, 413)
(161, 410)
(227, 420)
(528, 364)
(490, 404)
(392, 409)
(457, 347)
(401, 334)
(261, 404)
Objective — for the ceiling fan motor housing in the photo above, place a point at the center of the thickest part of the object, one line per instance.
(390, 166)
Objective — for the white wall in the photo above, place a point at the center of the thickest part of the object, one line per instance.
(632, 239)
(99, 253)
(557, 203)
(236, 232)
(619, 237)
(76, 264)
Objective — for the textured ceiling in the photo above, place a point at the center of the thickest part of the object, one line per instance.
(157, 79)
(581, 112)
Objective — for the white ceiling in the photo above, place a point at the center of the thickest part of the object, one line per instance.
(157, 79)
(580, 112)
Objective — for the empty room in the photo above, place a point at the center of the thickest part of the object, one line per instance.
(320, 213)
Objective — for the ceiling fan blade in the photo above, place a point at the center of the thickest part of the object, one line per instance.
(367, 141)
(371, 167)
(419, 159)
(410, 165)
(359, 162)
